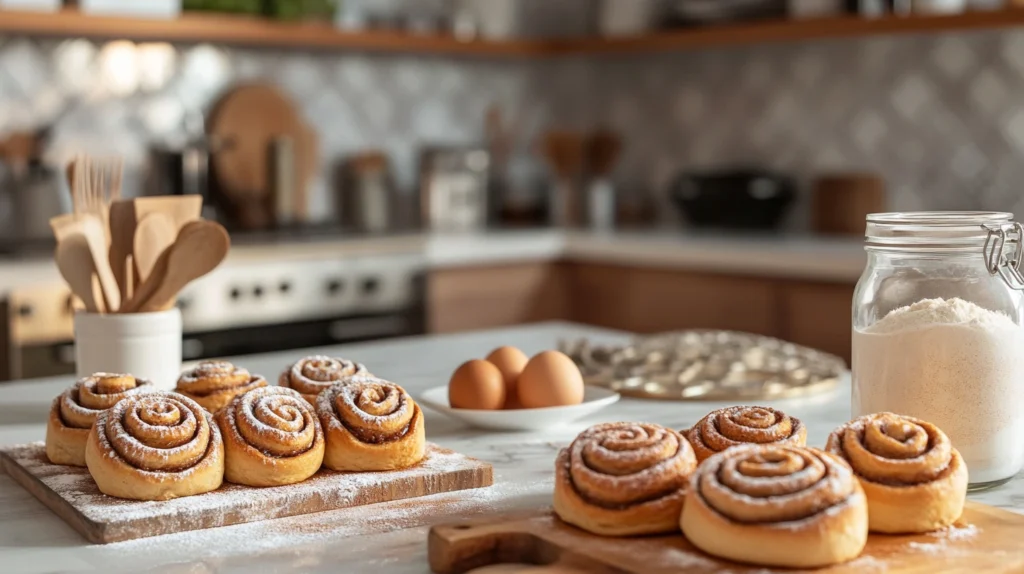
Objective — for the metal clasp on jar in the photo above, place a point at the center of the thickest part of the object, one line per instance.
(998, 258)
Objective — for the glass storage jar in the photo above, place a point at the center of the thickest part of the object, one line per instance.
(937, 332)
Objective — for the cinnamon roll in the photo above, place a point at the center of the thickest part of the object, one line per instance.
(76, 409)
(733, 426)
(314, 374)
(915, 481)
(155, 446)
(776, 505)
(271, 437)
(622, 479)
(213, 384)
(370, 424)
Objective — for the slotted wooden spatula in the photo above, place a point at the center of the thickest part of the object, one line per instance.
(199, 248)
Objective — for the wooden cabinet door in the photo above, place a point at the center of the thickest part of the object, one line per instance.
(599, 294)
(818, 315)
(484, 297)
(666, 300)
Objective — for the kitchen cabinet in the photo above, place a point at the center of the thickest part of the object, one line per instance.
(485, 297)
(641, 300)
(663, 300)
(818, 315)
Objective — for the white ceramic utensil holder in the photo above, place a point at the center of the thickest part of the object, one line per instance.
(145, 345)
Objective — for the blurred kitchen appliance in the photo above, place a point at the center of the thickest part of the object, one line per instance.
(37, 195)
(698, 12)
(626, 17)
(603, 149)
(34, 5)
(816, 8)
(454, 188)
(282, 177)
(367, 193)
(148, 9)
(31, 192)
(490, 19)
(840, 203)
(939, 6)
(565, 152)
(242, 308)
(183, 168)
(734, 199)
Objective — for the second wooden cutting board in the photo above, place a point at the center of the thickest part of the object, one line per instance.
(986, 539)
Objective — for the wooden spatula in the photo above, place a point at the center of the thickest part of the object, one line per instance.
(154, 234)
(74, 260)
(127, 213)
(199, 248)
(89, 226)
(61, 225)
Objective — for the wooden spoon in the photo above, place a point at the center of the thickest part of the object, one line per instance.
(154, 234)
(74, 260)
(125, 216)
(199, 248)
(89, 226)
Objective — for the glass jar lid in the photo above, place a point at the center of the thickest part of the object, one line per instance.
(935, 231)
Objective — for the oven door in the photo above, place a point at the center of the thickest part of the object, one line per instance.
(299, 335)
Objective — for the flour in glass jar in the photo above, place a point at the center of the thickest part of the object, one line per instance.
(956, 365)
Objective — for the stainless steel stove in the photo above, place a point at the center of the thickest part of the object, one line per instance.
(249, 305)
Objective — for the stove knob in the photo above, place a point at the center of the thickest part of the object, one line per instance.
(371, 285)
(236, 294)
(284, 287)
(257, 292)
(25, 311)
(335, 286)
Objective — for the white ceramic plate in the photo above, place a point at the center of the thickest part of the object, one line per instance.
(594, 399)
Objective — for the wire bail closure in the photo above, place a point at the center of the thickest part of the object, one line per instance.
(998, 260)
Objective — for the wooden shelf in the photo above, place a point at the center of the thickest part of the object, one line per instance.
(249, 31)
(792, 31)
(226, 29)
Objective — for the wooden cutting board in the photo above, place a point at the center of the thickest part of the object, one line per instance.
(71, 494)
(986, 539)
(245, 121)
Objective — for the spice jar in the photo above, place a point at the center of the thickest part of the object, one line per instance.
(937, 332)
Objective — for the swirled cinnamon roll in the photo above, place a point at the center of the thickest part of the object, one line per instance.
(733, 426)
(155, 446)
(622, 479)
(76, 409)
(915, 481)
(776, 505)
(213, 384)
(271, 437)
(370, 424)
(314, 374)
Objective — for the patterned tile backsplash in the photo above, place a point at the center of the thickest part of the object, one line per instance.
(941, 118)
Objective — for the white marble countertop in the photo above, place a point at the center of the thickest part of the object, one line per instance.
(32, 539)
(788, 256)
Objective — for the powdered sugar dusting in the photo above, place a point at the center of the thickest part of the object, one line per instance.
(232, 504)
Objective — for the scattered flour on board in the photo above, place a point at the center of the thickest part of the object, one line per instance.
(327, 489)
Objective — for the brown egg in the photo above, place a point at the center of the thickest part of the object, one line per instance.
(476, 384)
(550, 379)
(510, 361)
